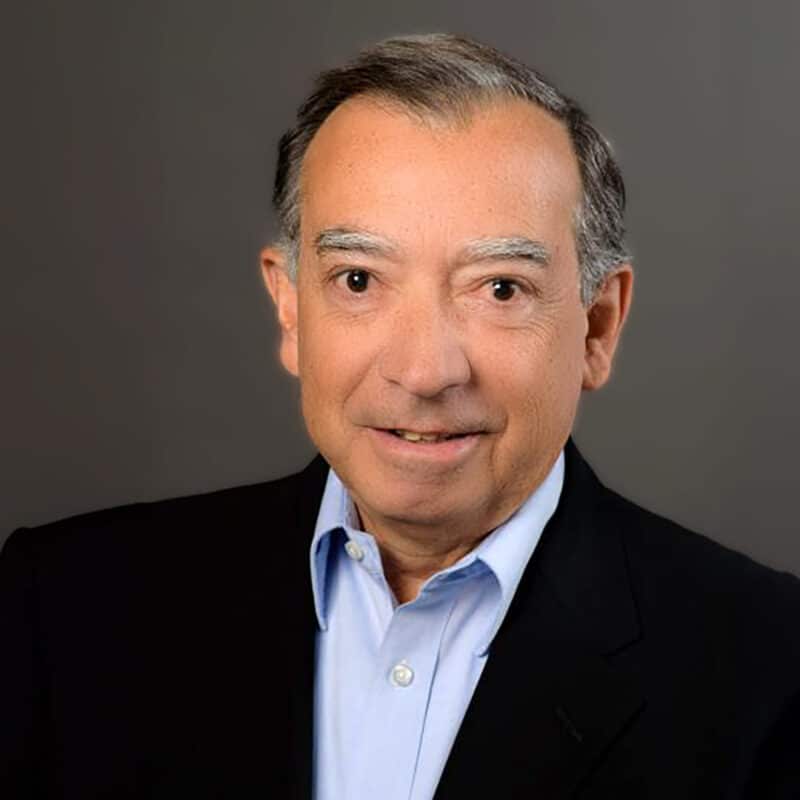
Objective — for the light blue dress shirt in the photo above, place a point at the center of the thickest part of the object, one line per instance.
(392, 682)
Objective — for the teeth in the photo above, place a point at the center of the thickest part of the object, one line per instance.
(410, 436)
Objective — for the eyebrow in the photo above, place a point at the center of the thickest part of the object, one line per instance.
(499, 248)
(353, 241)
(505, 248)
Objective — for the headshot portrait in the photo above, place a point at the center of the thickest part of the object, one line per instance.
(401, 407)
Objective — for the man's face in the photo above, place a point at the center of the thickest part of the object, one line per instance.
(438, 296)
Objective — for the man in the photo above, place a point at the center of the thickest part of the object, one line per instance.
(447, 603)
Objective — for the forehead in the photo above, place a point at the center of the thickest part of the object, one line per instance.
(509, 165)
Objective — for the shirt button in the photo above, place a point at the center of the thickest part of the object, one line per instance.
(401, 675)
(353, 550)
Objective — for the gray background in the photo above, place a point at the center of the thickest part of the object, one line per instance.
(138, 140)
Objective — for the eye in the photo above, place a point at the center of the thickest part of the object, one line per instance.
(503, 289)
(357, 280)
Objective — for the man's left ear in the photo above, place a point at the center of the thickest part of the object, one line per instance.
(606, 316)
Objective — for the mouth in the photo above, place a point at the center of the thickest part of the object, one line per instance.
(419, 437)
(428, 449)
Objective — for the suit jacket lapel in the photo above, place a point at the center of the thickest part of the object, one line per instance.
(301, 624)
(551, 699)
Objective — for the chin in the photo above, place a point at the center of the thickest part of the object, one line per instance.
(418, 505)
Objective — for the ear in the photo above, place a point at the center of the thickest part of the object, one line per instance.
(606, 317)
(284, 294)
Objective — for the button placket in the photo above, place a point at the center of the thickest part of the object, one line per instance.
(400, 691)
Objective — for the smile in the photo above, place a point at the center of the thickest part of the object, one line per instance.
(413, 436)
(428, 449)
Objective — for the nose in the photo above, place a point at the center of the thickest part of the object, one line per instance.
(424, 350)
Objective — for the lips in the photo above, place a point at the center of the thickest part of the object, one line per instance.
(415, 436)
(435, 449)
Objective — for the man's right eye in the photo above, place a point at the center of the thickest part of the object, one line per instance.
(357, 280)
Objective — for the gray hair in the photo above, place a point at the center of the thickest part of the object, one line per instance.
(446, 75)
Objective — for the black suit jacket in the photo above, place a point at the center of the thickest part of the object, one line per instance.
(166, 650)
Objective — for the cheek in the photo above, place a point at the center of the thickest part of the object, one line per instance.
(333, 362)
(538, 379)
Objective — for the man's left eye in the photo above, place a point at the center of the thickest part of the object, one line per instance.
(503, 289)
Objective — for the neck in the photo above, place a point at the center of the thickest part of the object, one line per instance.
(409, 558)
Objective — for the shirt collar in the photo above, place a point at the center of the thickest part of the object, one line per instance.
(506, 551)
(336, 513)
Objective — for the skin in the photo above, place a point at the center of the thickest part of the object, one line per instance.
(434, 343)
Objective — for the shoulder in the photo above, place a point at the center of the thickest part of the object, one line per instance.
(168, 528)
(691, 589)
(666, 551)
